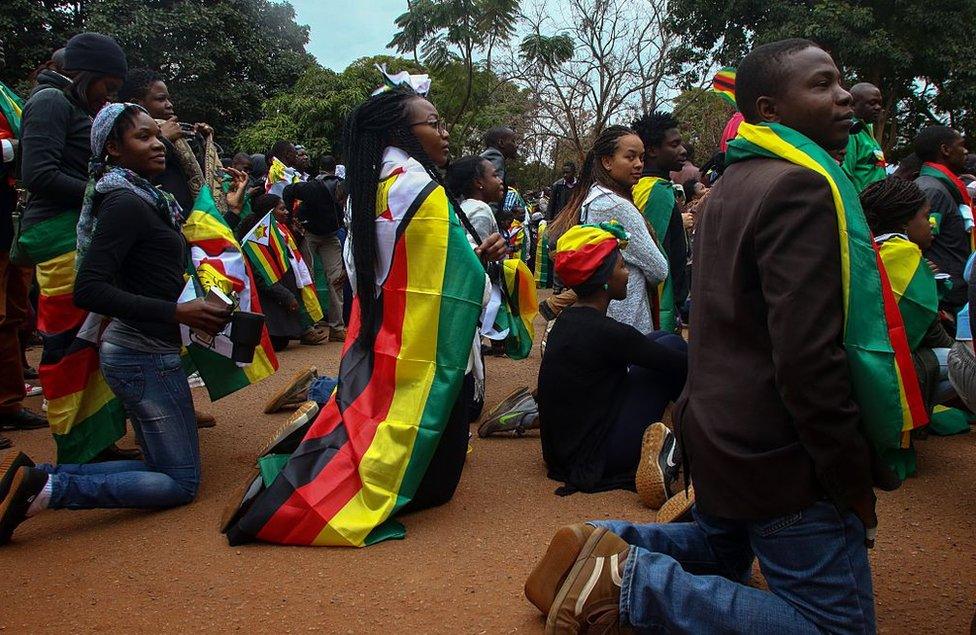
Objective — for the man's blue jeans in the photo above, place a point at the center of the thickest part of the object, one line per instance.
(691, 577)
(156, 396)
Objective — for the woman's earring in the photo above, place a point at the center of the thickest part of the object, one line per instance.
(606, 286)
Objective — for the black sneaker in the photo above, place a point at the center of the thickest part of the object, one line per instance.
(546, 311)
(23, 420)
(30, 373)
(5, 442)
(658, 472)
(26, 484)
(10, 462)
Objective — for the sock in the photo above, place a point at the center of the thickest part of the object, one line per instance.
(41, 501)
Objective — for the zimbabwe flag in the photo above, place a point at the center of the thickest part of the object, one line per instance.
(216, 260)
(654, 197)
(363, 457)
(543, 261)
(724, 84)
(273, 252)
(883, 377)
(512, 308)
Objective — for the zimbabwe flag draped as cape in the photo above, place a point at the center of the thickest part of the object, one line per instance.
(84, 415)
(512, 309)
(272, 252)
(363, 457)
(216, 260)
(654, 197)
(883, 378)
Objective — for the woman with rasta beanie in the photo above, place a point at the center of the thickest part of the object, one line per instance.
(603, 383)
(131, 256)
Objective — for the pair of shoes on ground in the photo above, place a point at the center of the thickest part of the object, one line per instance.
(20, 483)
(659, 479)
(294, 393)
(23, 419)
(515, 414)
(315, 336)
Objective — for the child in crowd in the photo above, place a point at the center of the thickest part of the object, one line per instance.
(602, 382)
(132, 259)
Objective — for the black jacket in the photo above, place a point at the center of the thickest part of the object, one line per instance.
(55, 145)
(318, 208)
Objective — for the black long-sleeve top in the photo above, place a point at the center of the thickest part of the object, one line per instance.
(580, 379)
(133, 270)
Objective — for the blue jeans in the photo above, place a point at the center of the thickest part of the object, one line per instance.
(156, 396)
(691, 577)
(321, 389)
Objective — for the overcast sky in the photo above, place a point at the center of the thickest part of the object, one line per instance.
(345, 30)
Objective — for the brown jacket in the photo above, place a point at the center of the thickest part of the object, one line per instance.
(767, 421)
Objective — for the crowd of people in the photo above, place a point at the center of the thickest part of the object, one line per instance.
(796, 308)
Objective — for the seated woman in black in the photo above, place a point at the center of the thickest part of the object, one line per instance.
(601, 383)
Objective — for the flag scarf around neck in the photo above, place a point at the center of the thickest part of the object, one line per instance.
(654, 197)
(272, 252)
(724, 84)
(363, 457)
(84, 415)
(885, 386)
(12, 109)
(216, 261)
(957, 189)
(913, 284)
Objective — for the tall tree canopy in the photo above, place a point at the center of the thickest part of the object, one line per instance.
(916, 51)
(221, 58)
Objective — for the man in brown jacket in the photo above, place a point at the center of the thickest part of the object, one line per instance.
(767, 422)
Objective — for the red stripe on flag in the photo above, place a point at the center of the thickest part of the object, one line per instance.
(58, 313)
(899, 342)
(339, 480)
(723, 83)
(70, 375)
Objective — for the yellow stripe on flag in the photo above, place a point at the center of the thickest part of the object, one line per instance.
(64, 413)
(901, 258)
(425, 234)
(57, 276)
(642, 191)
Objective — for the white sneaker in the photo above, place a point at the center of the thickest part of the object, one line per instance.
(195, 380)
(32, 391)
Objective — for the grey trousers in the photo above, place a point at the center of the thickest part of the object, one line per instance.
(329, 250)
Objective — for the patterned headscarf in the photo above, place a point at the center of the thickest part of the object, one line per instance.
(103, 178)
(583, 253)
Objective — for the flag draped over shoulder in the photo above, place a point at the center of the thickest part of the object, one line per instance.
(273, 252)
(363, 457)
(217, 261)
(654, 197)
(84, 415)
(512, 309)
(280, 176)
(913, 284)
(960, 194)
(724, 84)
(883, 377)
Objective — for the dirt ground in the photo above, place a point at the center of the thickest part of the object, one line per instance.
(460, 569)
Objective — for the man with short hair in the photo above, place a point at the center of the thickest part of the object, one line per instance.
(501, 146)
(942, 151)
(654, 195)
(302, 161)
(321, 202)
(562, 190)
(772, 426)
(864, 162)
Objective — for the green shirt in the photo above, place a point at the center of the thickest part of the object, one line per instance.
(865, 163)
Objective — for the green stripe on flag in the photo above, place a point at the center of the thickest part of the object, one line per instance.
(89, 437)
(50, 238)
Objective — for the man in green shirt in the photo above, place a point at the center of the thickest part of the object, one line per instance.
(865, 162)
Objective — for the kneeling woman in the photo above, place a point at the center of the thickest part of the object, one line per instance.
(132, 257)
(601, 383)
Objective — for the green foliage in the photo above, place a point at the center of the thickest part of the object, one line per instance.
(703, 115)
(221, 58)
(916, 51)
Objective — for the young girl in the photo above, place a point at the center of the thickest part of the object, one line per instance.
(394, 436)
(602, 383)
(610, 170)
(475, 181)
(132, 259)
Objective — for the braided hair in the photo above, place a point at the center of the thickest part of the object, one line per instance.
(890, 204)
(592, 172)
(379, 122)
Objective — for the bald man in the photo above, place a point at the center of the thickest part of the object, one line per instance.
(865, 162)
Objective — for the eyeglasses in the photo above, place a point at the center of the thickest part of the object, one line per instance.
(436, 124)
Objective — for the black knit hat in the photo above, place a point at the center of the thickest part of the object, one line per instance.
(96, 53)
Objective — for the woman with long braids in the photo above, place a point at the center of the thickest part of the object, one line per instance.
(131, 261)
(897, 213)
(610, 170)
(394, 436)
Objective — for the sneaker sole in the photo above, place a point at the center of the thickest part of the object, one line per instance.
(559, 558)
(239, 503)
(15, 482)
(507, 402)
(287, 429)
(649, 478)
(278, 401)
(677, 507)
(588, 548)
(9, 465)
